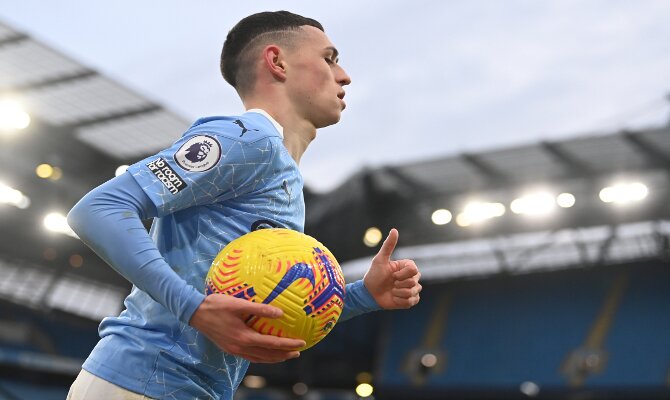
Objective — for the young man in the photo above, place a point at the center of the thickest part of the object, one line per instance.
(225, 177)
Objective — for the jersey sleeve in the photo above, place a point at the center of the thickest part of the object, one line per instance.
(357, 301)
(203, 168)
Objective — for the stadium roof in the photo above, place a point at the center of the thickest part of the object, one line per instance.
(86, 125)
(91, 108)
(405, 196)
(593, 157)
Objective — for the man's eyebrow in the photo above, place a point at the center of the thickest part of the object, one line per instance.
(334, 50)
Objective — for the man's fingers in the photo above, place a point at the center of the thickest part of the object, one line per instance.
(261, 355)
(407, 303)
(388, 246)
(407, 283)
(262, 310)
(274, 342)
(260, 348)
(406, 293)
(407, 269)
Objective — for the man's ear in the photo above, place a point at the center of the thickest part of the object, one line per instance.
(273, 60)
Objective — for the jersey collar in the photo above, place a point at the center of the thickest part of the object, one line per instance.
(279, 128)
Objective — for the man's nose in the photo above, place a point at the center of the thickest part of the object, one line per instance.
(343, 79)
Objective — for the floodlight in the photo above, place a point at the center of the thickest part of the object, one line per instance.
(372, 237)
(57, 222)
(475, 212)
(12, 116)
(441, 217)
(429, 360)
(120, 170)
(624, 193)
(565, 200)
(364, 390)
(530, 389)
(540, 203)
(14, 197)
(44, 171)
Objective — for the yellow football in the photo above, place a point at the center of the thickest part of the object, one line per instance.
(289, 270)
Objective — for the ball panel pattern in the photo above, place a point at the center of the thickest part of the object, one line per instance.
(289, 270)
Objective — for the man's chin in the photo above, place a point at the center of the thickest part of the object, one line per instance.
(331, 120)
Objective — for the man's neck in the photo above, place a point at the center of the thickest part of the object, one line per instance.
(298, 132)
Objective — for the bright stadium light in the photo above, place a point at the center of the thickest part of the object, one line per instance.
(364, 390)
(372, 237)
(476, 212)
(14, 197)
(541, 203)
(44, 171)
(429, 360)
(624, 193)
(565, 200)
(530, 389)
(120, 170)
(57, 222)
(12, 116)
(441, 217)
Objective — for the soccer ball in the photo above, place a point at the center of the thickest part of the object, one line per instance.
(289, 270)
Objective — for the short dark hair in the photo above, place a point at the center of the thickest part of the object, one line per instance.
(276, 25)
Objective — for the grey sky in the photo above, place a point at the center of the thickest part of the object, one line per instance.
(430, 78)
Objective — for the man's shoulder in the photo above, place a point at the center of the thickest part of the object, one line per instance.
(246, 128)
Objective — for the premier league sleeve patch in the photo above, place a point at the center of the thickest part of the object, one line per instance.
(199, 154)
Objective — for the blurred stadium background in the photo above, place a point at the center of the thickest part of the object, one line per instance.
(545, 266)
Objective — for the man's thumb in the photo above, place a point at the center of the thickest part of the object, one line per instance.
(388, 246)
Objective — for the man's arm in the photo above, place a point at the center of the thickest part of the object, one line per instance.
(109, 220)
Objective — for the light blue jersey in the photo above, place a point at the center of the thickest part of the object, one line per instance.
(225, 177)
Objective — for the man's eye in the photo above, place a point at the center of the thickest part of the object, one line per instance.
(329, 61)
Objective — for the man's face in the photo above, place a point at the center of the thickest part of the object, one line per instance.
(315, 80)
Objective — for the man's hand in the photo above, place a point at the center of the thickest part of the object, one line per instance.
(393, 284)
(221, 318)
